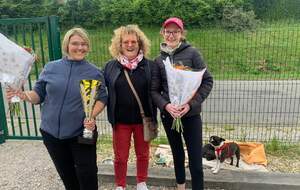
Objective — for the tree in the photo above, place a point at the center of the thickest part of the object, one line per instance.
(21, 8)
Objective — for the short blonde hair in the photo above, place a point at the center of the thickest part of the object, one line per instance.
(74, 31)
(143, 41)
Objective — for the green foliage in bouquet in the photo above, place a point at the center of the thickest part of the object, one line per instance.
(177, 125)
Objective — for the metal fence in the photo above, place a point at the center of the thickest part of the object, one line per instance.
(256, 94)
(43, 36)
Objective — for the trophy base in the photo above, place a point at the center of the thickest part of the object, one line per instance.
(88, 141)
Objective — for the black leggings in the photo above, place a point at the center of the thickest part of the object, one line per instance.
(192, 134)
(75, 163)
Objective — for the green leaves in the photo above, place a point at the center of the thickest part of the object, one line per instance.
(21, 8)
(15, 109)
(177, 125)
(95, 13)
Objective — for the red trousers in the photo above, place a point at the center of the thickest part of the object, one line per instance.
(121, 144)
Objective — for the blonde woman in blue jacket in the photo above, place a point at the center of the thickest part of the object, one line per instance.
(62, 114)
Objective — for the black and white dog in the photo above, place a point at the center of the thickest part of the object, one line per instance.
(224, 150)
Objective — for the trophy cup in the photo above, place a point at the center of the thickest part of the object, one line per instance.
(88, 91)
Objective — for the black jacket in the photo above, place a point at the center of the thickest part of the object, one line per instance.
(188, 56)
(112, 71)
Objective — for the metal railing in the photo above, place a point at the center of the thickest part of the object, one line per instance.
(43, 36)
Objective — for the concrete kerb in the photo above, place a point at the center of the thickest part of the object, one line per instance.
(225, 179)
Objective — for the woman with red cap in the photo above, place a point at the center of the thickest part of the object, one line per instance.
(180, 52)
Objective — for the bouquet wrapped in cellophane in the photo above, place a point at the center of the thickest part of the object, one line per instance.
(182, 84)
(15, 66)
(88, 90)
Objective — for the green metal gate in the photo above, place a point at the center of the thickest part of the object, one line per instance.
(42, 34)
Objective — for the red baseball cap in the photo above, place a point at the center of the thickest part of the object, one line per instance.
(174, 20)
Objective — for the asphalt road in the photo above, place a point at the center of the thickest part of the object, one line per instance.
(272, 103)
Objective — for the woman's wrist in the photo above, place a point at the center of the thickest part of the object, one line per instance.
(26, 96)
(165, 106)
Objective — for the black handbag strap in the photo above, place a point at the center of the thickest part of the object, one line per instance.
(135, 93)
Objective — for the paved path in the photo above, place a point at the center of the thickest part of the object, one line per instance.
(268, 103)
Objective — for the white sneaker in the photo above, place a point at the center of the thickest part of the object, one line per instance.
(181, 186)
(141, 186)
(120, 188)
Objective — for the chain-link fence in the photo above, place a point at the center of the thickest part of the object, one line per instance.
(256, 93)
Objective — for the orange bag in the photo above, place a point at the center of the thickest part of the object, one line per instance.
(253, 153)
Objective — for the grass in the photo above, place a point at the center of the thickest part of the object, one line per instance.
(283, 157)
(160, 140)
(229, 128)
(270, 52)
(281, 149)
(107, 139)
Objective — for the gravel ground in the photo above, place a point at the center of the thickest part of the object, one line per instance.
(26, 165)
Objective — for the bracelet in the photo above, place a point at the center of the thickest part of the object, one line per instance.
(27, 96)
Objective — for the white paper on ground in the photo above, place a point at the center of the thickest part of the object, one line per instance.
(164, 151)
(243, 166)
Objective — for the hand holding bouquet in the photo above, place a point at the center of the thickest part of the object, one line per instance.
(15, 65)
(182, 85)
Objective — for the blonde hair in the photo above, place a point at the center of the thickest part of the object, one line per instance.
(74, 31)
(143, 41)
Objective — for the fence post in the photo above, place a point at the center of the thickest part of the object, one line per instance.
(3, 124)
(54, 38)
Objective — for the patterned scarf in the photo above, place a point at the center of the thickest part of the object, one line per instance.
(132, 64)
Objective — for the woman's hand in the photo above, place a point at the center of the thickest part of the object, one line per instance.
(10, 93)
(184, 109)
(89, 124)
(175, 113)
